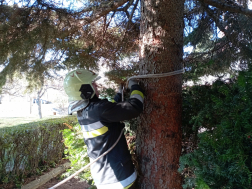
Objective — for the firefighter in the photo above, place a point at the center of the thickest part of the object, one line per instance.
(101, 124)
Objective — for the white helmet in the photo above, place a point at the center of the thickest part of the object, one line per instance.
(78, 87)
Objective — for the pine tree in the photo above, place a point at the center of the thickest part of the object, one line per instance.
(159, 133)
(220, 32)
(72, 38)
(110, 30)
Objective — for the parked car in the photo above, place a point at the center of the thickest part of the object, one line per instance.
(35, 100)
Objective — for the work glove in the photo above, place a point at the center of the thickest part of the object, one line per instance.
(132, 82)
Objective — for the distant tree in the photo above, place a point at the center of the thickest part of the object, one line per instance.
(14, 87)
(42, 87)
(19, 86)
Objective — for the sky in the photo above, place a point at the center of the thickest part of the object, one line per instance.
(72, 4)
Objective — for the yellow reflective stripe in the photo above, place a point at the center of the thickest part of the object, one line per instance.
(127, 187)
(137, 92)
(95, 133)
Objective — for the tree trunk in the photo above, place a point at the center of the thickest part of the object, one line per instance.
(31, 105)
(159, 131)
(39, 105)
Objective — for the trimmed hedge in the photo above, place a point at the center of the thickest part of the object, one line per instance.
(24, 148)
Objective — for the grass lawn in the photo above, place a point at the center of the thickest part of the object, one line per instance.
(13, 121)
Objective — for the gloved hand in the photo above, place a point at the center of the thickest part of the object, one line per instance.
(119, 89)
(132, 82)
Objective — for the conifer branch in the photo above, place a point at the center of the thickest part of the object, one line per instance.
(133, 10)
(104, 10)
(215, 18)
(227, 7)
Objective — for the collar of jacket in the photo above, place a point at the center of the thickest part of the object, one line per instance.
(77, 105)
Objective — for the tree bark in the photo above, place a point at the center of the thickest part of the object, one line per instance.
(159, 131)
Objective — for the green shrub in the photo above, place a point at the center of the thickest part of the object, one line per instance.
(76, 152)
(27, 148)
(223, 156)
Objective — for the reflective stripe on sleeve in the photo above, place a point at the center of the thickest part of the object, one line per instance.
(138, 95)
(127, 187)
(95, 133)
(120, 185)
(137, 92)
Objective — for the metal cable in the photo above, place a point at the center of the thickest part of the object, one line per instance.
(152, 76)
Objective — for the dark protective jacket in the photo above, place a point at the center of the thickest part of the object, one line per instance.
(101, 126)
